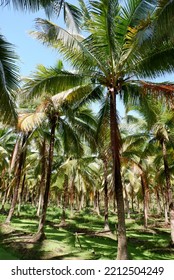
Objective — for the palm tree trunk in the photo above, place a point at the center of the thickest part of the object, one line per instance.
(171, 208)
(72, 196)
(132, 198)
(158, 203)
(127, 202)
(106, 223)
(22, 157)
(20, 196)
(81, 200)
(145, 189)
(122, 253)
(4, 191)
(96, 202)
(4, 201)
(40, 232)
(43, 175)
(168, 182)
(65, 198)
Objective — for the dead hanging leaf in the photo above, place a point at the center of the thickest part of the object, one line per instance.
(29, 121)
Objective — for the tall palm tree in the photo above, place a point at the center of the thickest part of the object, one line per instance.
(122, 47)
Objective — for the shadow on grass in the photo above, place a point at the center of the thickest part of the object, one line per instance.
(79, 239)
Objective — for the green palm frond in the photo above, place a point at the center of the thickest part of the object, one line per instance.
(72, 17)
(50, 81)
(71, 140)
(164, 15)
(84, 12)
(8, 82)
(147, 59)
(103, 117)
(62, 40)
(33, 6)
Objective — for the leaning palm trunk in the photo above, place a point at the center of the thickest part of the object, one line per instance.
(40, 233)
(122, 253)
(18, 172)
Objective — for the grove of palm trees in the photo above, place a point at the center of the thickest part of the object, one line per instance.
(84, 183)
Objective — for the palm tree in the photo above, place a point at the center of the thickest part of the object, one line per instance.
(18, 171)
(136, 152)
(65, 112)
(7, 140)
(159, 118)
(122, 47)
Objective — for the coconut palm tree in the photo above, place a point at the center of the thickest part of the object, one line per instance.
(65, 112)
(135, 151)
(20, 160)
(159, 118)
(120, 49)
(7, 140)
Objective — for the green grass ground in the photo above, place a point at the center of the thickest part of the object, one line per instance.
(81, 238)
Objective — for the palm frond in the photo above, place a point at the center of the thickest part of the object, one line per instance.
(9, 79)
(50, 81)
(164, 19)
(72, 18)
(33, 6)
(28, 122)
(81, 50)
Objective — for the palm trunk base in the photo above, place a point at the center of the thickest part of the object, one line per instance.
(38, 237)
(122, 249)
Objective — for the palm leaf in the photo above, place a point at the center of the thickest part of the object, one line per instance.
(8, 82)
(28, 5)
(30, 121)
(72, 17)
(50, 81)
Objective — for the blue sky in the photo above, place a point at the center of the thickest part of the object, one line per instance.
(15, 25)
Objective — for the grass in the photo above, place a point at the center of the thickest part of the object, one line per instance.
(81, 238)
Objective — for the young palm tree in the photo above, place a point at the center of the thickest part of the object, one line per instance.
(122, 47)
(65, 113)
